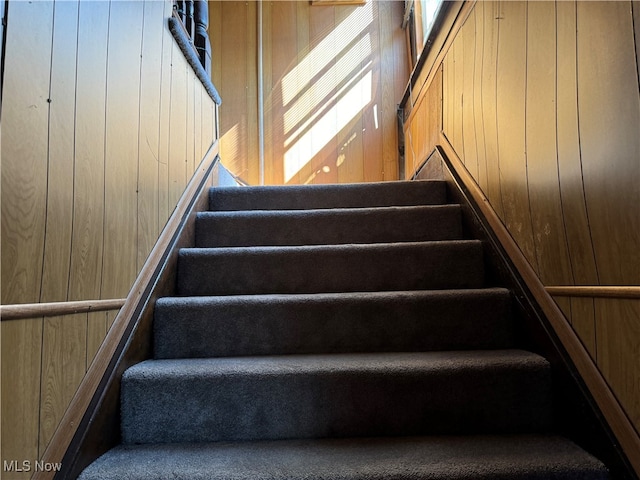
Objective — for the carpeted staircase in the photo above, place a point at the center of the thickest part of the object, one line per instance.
(337, 332)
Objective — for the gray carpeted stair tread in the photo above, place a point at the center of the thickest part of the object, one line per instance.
(469, 319)
(509, 457)
(298, 197)
(335, 226)
(270, 397)
(330, 268)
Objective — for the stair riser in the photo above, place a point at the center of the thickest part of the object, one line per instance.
(325, 227)
(253, 405)
(382, 267)
(271, 325)
(328, 196)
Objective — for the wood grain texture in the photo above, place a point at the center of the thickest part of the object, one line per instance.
(63, 367)
(388, 62)
(478, 84)
(149, 132)
(326, 116)
(177, 167)
(73, 415)
(164, 207)
(85, 184)
(576, 220)
(85, 271)
(491, 30)
(467, 37)
(233, 86)
(551, 248)
(21, 379)
(561, 162)
(56, 309)
(60, 174)
(25, 128)
(609, 118)
(122, 125)
(511, 104)
(618, 350)
(617, 418)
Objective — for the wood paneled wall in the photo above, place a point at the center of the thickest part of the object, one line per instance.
(541, 101)
(103, 123)
(332, 79)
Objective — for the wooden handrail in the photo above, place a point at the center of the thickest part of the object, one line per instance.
(54, 309)
(93, 386)
(596, 291)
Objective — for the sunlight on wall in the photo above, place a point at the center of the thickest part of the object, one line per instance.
(328, 126)
(321, 98)
(318, 59)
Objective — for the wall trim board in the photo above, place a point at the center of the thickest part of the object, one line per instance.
(613, 413)
(53, 309)
(90, 391)
(597, 291)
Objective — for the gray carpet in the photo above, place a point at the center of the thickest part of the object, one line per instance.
(337, 332)
(506, 457)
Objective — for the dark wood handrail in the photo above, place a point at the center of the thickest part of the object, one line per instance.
(100, 384)
(54, 309)
(596, 291)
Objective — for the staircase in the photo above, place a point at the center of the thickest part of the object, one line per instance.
(337, 332)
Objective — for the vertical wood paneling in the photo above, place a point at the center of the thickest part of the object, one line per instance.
(177, 168)
(251, 168)
(321, 24)
(584, 323)
(468, 34)
(149, 134)
(284, 35)
(190, 126)
(164, 207)
(373, 160)
(350, 138)
(232, 110)
(309, 77)
(58, 231)
(491, 31)
(85, 148)
(478, 111)
(560, 119)
(457, 52)
(550, 242)
(63, 366)
(618, 344)
(24, 184)
(512, 88)
(97, 326)
(122, 114)
(609, 121)
(88, 212)
(568, 144)
(386, 110)
(24, 177)
(20, 389)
